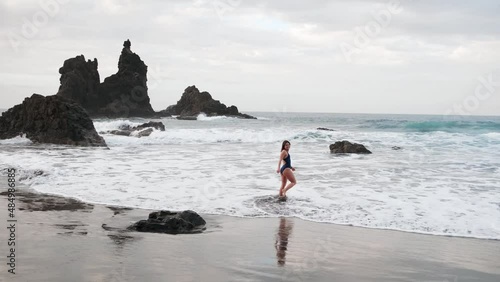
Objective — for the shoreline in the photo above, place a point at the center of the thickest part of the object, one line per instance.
(31, 190)
(63, 239)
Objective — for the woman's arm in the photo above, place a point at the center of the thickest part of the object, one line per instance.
(282, 156)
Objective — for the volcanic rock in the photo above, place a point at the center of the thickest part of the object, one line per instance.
(145, 132)
(80, 83)
(344, 147)
(325, 129)
(50, 119)
(156, 125)
(193, 102)
(171, 222)
(124, 94)
(144, 129)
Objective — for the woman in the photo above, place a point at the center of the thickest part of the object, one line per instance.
(286, 170)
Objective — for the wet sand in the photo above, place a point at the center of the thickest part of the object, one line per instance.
(61, 239)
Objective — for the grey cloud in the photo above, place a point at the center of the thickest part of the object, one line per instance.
(283, 48)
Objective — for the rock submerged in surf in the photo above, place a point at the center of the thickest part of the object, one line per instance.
(187, 117)
(325, 129)
(185, 222)
(156, 125)
(346, 147)
(139, 131)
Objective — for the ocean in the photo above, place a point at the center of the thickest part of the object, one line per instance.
(428, 174)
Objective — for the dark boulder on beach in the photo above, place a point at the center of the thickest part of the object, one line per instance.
(50, 119)
(124, 94)
(346, 147)
(185, 222)
(193, 102)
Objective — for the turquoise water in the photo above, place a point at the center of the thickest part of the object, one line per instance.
(392, 123)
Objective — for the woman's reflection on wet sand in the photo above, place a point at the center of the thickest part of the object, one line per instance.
(284, 230)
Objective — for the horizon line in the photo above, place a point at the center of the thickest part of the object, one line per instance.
(351, 113)
(359, 113)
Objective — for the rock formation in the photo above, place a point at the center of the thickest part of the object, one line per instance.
(139, 131)
(154, 124)
(127, 89)
(171, 222)
(50, 119)
(344, 147)
(193, 102)
(124, 94)
(80, 83)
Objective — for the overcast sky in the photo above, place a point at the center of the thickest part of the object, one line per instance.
(357, 56)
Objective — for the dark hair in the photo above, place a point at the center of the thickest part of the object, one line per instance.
(283, 145)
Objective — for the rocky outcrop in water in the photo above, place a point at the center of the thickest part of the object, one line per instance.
(80, 83)
(124, 94)
(50, 119)
(171, 222)
(127, 90)
(139, 131)
(346, 147)
(154, 124)
(193, 102)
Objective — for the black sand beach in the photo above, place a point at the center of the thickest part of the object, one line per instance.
(61, 239)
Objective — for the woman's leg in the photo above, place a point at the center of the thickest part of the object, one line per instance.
(283, 183)
(289, 175)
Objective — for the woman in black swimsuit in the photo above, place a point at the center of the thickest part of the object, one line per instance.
(286, 170)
